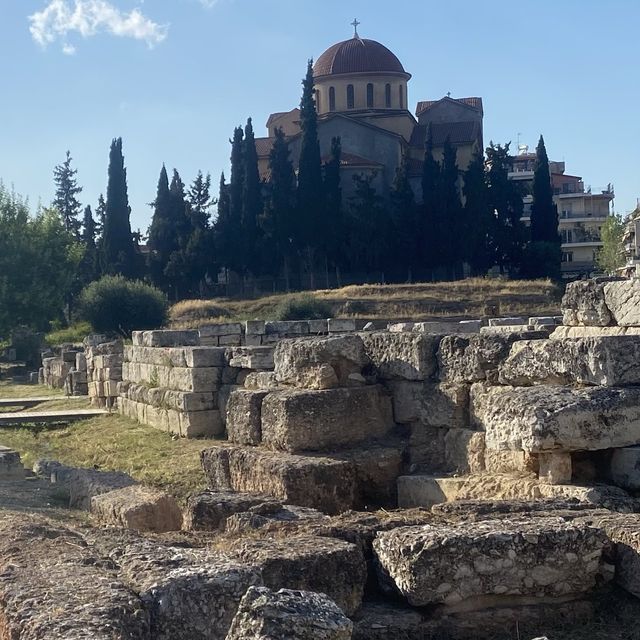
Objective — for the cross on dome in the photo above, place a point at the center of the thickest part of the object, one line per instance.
(355, 24)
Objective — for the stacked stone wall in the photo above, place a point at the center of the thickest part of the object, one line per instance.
(62, 371)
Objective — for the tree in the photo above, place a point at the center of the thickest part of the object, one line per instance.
(67, 190)
(89, 266)
(611, 255)
(334, 226)
(251, 203)
(477, 217)
(117, 242)
(226, 229)
(198, 253)
(200, 201)
(449, 213)
(429, 254)
(162, 233)
(279, 215)
(310, 193)
(404, 220)
(505, 200)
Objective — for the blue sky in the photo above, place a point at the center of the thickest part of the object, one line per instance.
(173, 78)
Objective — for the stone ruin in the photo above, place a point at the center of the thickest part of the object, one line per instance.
(449, 481)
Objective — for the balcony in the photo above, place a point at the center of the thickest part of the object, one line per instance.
(581, 215)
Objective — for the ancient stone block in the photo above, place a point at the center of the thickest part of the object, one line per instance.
(209, 510)
(308, 563)
(543, 557)
(555, 468)
(625, 468)
(622, 298)
(244, 416)
(510, 461)
(464, 451)
(222, 329)
(609, 361)
(53, 586)
(138, 507)
(432, 404)
(549, 418)
(305, 420)
(323, 483)
(11, 468)
(583, 304)
(252, 358)
(426, 450)
(318, 327)
(319, 363)
(167, 338)
(298, 615)
(195, 357)
(261, 380)
(475, 358)
(592, 332)
(287, 328)
(254, 327)
(508, 322)
(341, 325)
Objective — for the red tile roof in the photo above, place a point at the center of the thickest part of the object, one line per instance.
(357, 55)
(263, 146)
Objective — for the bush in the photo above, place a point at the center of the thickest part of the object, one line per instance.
(74, 334)
(303, 307)
(114, 304)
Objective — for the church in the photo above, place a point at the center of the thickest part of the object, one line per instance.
(362, 96)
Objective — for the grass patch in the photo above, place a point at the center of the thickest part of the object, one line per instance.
(116, 443)
(13, 390)
(303, 307)
(74, 334)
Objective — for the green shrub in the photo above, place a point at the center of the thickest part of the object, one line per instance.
(27, 344)
(74, 334)
(114, 304)
(303, 307)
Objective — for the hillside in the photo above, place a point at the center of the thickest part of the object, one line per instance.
(471, 298)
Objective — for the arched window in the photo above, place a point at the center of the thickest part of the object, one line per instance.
(387, 96)
(317, 101)
(332, 99)
(350, 97)
(401, 97)
(370, 96)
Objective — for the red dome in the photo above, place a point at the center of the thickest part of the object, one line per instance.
(357, 56)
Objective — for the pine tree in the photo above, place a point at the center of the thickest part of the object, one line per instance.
(67, 190)
(404, 218)
(310, 192)
(279, 216)
(117, 242)
(477, 217)
(199, 198)
(428, 231)
(334, 225)
(251, 203)
(449, 213)
(89, 266)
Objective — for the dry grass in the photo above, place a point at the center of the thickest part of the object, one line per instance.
(117, 443)
(426, 301)
(10, 389)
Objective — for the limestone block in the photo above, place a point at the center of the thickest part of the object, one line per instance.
(625, 468)
(444, 328)
(196, 357)
(308, 563)
(508, 322)
(81, 362)
(318, 327)
(555, 468)
(287, 328)
(426, 450)
(209, 510)
(254, 327)
(222, 329)
(261, 380)
(426, 490)
(323, 483)
(78, 377)
(593, 332)
(234, 340)
(533, 331)
(167, 338)
(475, 358)
(319, 363)
(400, 327)
(550, 418)
(583, 304)
(464, 451)
(253, 341)
(198, 424)
(298, 615)
(244, 415)
(138, 507)
(608, 361)
(204, 379)
(433, 404)
(224, 393)
(623, 300)
(402, 356)
(510, 462)
(188, 592)
(252, 358)
(341, 325)
(11, 468)
(462, 563)
(303, 420)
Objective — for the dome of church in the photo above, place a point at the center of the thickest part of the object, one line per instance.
(357, 55)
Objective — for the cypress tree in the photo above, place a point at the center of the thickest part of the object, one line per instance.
(428, 230)
(449, 213)
(234, 257)
(199, 198)
(225, 230)
(279, 215)
(89, 266)
(198, 255)
(544, 213)
(403, 215)
(477, 217)
(117, 242)
(251, 203)
(67, 190)
(162, 234)
(334, 220)
(310, 192)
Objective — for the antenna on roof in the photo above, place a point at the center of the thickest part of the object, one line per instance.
(355, 24)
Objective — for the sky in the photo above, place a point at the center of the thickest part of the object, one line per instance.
(174, 77)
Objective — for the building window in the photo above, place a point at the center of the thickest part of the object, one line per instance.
(567, 235)
(317, 94)
(567, 256)
(350, 97)
(387, 96)
(370, 96)
(401, 97)
(332, 99)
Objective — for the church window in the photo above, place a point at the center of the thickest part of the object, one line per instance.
(401, 97)
(370, 96)
(317, 100)
(350, 97)
(387, 96)
(332, 99)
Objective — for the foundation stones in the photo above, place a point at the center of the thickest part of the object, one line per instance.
(11, 468)
(474, 564)
(298, 615)
(584, 304)
(244, 416)
(625, 468)
(622, 298)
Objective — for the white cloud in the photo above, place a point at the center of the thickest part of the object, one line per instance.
(89, 17)
(208, 4)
